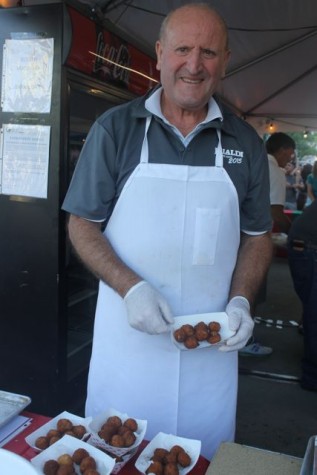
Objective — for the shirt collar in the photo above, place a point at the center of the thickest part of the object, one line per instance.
(153, 105)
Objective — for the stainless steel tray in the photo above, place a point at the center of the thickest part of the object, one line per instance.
(11, 405)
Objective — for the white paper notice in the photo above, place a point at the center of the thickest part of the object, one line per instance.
(27, 74)
(25, 160)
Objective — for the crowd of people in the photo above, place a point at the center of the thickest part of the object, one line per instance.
(301, 185)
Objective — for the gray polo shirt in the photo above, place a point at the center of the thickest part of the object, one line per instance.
(112, 151)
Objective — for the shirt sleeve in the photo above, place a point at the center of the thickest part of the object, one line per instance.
(92, 189)
(277, 185)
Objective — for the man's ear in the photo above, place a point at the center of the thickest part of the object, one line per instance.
(158, 49)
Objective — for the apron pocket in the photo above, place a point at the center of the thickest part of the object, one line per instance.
(205, 236)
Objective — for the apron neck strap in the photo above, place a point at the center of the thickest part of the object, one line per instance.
(144, 158)
(145, 146)
(219, 156)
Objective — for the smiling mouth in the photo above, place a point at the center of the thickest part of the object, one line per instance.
(191, 81)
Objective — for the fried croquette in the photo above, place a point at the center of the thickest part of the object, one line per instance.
(191, 342)
(87, 462)
(214, 339)
(122, 430)
(65, 459)
(171, 469)
(171, 457)
(115, 421)
(50, 467)
(65, 470)
(42, 442)
(214, 326)
(188, 329)
(183, 459)
(129, 438)
(106, 433)
(180, 335)
(176, 449)
(159, 455)
(79, 431)
(201, 333)
(53, 433)
(156, 468)
(79, 455)
(117, 440)
(53, 440)
(64, 424)
(131, 424)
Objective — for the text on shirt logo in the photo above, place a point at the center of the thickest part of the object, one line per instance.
(233, 156)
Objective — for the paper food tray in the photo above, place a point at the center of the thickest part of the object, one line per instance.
(309, 465)
(43, 430)
(96, 423)
(11, 405)
(121, 454)
(167, 441)
(67, 445)
(220, 317)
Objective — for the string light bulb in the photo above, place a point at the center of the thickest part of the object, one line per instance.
(270, 125)
(305, 134)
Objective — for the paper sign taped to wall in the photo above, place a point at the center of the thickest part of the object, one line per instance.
(27, 74)
(25, 160)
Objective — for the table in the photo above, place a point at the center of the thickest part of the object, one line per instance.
(20, 447)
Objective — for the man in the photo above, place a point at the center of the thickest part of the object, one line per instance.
(181, 186)
(281, 150)
(302, 256)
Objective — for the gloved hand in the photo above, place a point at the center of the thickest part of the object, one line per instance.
(147, 309)
(240, 321)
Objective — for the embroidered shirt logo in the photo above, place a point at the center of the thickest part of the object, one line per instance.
(233, 156)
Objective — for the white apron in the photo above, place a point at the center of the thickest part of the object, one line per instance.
(178, 227)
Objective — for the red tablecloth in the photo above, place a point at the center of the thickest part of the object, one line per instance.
(20, 447)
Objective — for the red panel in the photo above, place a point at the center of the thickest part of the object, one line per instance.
(89, 40)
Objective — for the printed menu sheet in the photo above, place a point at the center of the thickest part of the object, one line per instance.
(27, 73)
(25, 160)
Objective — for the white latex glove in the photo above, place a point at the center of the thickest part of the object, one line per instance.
(240, 321)
(147, 310)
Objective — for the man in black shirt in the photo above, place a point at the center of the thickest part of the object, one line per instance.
(302, 243)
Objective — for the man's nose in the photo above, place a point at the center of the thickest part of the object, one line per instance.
(194, 62)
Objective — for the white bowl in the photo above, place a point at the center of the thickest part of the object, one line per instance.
(13, 464)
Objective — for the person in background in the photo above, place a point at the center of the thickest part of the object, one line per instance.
(180, 186)
(281, 150)
(312, 185)
(302, 256)
(294, 184)
(302, 194)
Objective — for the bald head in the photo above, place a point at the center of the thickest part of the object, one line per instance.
(189, 8)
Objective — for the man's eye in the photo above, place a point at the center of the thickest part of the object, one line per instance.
(208, 53)
(182, 50)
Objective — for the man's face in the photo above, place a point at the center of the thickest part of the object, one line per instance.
(192, 58)
(285, 155)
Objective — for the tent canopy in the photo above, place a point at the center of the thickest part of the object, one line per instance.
(272, 74)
